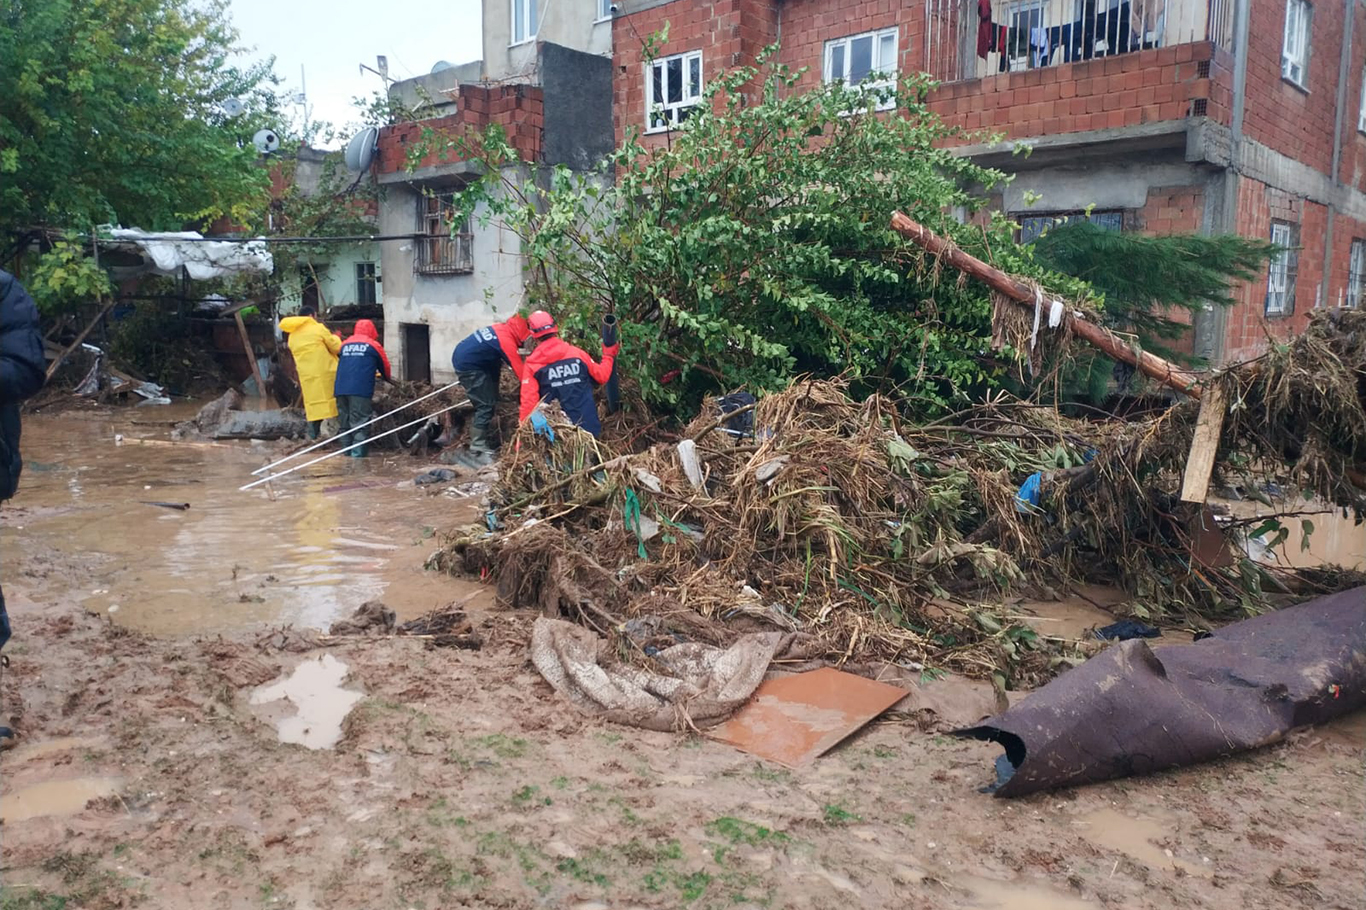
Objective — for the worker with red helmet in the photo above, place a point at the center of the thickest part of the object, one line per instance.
(477, 361)
(559, 371)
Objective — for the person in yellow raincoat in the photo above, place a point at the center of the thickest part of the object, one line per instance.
(315, 351)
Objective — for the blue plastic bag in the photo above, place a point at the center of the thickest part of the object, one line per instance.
(1027, 499)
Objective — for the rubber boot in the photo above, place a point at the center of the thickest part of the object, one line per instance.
(358, 452)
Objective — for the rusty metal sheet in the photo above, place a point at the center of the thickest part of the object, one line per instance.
(1134, 709)
(795, 719)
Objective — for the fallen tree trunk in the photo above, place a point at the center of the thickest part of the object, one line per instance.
(1149, 365)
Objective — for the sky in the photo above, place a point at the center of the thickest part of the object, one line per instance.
(330, 38)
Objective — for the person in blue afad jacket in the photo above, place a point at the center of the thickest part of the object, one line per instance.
(360, 361)
(478, 361)
(22, 373)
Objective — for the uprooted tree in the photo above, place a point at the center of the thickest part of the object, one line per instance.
(754, 244)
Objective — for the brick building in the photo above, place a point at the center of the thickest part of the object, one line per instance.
(1152, 115)
(450, 279)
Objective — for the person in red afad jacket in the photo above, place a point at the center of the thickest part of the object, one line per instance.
(559, 371)
(478, 361)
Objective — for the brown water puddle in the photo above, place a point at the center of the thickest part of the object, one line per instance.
(1138, 838)
(991, 894)
(54, 797)
(320, 703)
(233, 559)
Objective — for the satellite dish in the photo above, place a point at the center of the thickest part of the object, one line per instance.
(442, 65)
(360, 151)
(266, 141)
(233, 106)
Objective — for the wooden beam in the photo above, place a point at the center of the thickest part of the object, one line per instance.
(1012, 288)
(61, 358)
(1204, 445)
(251, 357)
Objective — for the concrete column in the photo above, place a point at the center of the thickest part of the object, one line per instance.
(1212, 328)
(1344, 64)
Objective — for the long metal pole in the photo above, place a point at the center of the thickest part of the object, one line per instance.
(323, 442)
(413, 423)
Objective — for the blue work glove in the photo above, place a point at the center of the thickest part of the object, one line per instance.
(542, 426)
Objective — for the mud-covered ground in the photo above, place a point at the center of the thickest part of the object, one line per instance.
(148, 778)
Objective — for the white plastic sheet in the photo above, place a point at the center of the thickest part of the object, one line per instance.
(169, 252)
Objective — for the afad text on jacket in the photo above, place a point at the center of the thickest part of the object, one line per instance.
(361, 358)
(559, 371)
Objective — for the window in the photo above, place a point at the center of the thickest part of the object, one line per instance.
(524, 22)
(1280, 280)
(1361, 112)
(1034, 226)
(446, 248)
(864, 60)
(365, 283)
(1299, 15)
(672, 89)
(1356, 274)
(605, 9)
(1026, 37)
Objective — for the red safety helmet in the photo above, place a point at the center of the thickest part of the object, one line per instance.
(542, 324)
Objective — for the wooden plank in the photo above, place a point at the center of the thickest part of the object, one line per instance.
(251, 356)
(1204, 445)
(61, 358)
(1149, 365)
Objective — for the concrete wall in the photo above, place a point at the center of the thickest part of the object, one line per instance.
(568, 23)
(431, 95)
(451, 306)
(578, 107)
(336, 275)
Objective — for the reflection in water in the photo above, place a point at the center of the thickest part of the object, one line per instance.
(320, 702)
(233, 559)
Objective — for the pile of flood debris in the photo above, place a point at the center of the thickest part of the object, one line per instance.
(808, 511)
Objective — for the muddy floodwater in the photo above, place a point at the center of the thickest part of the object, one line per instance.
(179, 750)
(332, 538)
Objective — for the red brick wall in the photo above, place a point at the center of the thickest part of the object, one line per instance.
(808, 24)
(1125, 90)
(1278, 113)
(729, 33)
(517, 108)
(1248, 325)
(1345, 230)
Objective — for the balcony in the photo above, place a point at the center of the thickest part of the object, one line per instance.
(967, 40)
(445, 254)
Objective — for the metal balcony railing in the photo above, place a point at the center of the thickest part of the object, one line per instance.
(969, 39)
(445, 254)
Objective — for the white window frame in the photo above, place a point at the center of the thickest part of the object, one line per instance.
(1361, 104)
(530, 22)
(1281, 275)
(661, 115)
(888, 69)
(1299, 23)
(1356, 274)
(604, 10)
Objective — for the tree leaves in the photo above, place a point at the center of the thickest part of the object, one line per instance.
(110, 111)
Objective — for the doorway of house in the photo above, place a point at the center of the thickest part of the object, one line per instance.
(417, 352)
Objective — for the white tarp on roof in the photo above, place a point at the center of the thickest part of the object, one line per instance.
(201, 258)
